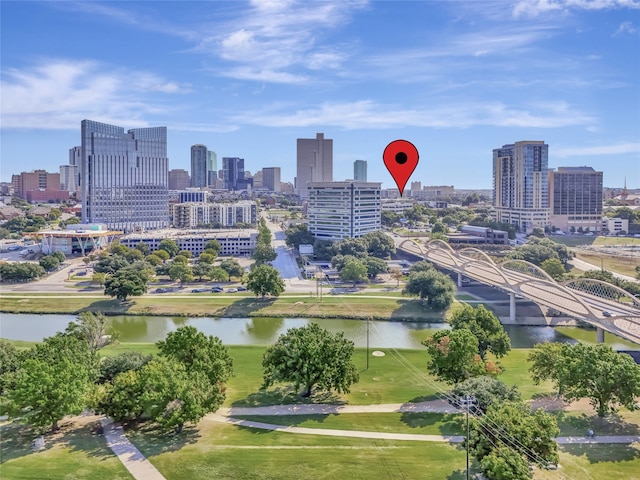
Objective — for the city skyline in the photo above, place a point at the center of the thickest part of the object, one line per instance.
(248, 79)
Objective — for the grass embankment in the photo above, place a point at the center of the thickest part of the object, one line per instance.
(375, 306)
(612, 263)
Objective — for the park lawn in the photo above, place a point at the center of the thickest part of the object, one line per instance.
(619, 462)
(76, 452)
(577, 423)
(214, 450)
(422, 423)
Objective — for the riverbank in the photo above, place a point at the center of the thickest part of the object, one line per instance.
(356, 306)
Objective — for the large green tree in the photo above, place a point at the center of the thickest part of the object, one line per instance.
(9, 363)
(181, 272)
(196, 351)
(485, 326)
(311, 357)
(125, 283)
(512, 425)
(52, 381)
(353, 270)
(264, 253)
(170, 246)
(232, 267)
(453, 355)
(299, 234)
(597, 372)
(379, 244)
(435, 289)
(172, 395)
(265, 280)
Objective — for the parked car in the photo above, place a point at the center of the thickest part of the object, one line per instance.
(199, 290)
(232, 290)
(606, 313)
(242, 289)
(217, 290)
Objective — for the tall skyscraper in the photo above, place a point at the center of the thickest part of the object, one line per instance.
(124, 176)
(271, 178)
(233, 173)
(314, 162)
(575, 198)
(360, 171)
(521, 185)
(212, 168)
(199, 166)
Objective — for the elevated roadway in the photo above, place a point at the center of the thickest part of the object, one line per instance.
(600, 304)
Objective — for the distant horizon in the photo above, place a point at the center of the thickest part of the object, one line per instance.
(247, 78)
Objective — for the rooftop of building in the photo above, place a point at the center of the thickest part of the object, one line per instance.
(178, 233)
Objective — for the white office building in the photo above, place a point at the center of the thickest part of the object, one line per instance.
(337, 210)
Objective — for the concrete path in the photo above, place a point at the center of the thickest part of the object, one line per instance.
(224, 415)
(137, 464)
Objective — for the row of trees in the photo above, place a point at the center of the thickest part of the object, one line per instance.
(65, 374)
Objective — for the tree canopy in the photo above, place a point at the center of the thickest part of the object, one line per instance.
(453, 355)
(311, 357)
(435, 289)
(125, 283)
(485, 326)
(353, 270)
(265, 280)
(597, 372)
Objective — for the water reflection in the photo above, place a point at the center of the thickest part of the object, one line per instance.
(264, 331)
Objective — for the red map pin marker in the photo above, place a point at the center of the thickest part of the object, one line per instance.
(401, 159)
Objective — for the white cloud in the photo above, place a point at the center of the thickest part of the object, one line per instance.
(534, 8)
(626, 28)
(615, 149)
(367, 114)
(57, 93)
(279, 41)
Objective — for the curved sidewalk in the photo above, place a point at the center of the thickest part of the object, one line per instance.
(225, 415)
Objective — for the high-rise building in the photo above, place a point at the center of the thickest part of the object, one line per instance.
(69, 178)
(199, 166)
(212, 168)
(179, 179)
(575, 198)
(271, 179)
(233, 173)
(360, 171)
(124, 176)
(520, 184)
(337, 210)
(314, 162)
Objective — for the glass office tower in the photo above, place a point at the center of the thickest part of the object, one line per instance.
(124, 176)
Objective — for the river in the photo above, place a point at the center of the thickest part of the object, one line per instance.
(265, 331)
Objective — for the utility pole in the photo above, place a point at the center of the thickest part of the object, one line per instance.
(368, 318)
(468, 400)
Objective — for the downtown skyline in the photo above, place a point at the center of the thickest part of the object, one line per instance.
(457, 79)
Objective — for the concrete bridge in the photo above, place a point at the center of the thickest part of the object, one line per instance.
(605, 306)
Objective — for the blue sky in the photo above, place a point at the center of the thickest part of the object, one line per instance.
(457, 79)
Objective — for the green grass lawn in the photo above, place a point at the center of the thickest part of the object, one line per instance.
(221, 451)
(76, 452)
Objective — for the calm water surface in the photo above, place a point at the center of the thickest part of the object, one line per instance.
(264, 331)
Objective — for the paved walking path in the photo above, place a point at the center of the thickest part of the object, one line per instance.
(137, 464)
(225, 415)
